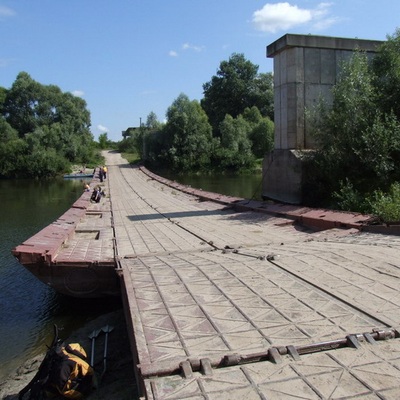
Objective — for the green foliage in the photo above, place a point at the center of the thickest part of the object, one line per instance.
(235, 150)
(386, 205)
(187, 135)
(152, 122)
(127, 145)
(132, 158)
(226, 131)
(383, 204)
(356, 140)
(350, 199)
(103, 141)
(262, 95)
(3, 94)
(50, 127)
(13, 158)
(357, 163)
(261, 133)
(386, 67)
(237, 86)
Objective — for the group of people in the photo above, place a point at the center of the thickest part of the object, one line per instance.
(97, 194)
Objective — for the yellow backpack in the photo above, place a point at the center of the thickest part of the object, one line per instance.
(71, 376)
(64, 371)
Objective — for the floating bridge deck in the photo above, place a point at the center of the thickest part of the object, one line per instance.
(227, 298)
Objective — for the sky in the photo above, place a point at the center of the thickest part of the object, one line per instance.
(128, 58)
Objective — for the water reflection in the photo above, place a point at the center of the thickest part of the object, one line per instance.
(248, 186)
(29, 308)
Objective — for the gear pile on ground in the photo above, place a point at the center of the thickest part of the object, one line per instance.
(118, 380)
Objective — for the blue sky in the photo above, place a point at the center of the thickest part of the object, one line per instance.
(127, 58)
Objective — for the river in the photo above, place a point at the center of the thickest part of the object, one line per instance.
(29, 308)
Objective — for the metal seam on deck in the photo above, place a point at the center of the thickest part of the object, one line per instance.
(331, 313)
(158, 289)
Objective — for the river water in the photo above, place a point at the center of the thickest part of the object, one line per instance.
(29, 308)
(248, 186)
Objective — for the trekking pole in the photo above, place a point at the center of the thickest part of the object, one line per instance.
(107, 329)
(93, 337)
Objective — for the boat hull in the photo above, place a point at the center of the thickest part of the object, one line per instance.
(82, 281)
(75, 254)
(79, 176)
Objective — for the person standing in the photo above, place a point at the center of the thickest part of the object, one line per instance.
(105, 171)
(101, 174)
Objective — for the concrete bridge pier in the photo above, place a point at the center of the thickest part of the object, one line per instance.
(305, 69)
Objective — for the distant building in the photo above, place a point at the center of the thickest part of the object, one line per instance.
(129, 132)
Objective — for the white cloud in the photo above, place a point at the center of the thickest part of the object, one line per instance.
(6, 12)
(148, 92)
(102, 128)
(4, 62)
(78, 93)
(321, 18)
(188, 46)
(283, 16)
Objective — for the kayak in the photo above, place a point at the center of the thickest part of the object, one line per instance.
(78, 175)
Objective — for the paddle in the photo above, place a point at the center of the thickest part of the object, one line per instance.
(93, 337)
(106, 329)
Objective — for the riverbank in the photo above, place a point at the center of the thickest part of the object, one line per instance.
(118, 382)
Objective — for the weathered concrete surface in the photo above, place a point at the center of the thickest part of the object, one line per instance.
(305, 69)
(207, 287)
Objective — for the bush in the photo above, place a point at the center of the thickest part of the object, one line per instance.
(350, 199)
(387, 205)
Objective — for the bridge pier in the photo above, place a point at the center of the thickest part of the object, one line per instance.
(305, 69)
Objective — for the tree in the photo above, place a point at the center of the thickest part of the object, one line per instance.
(103, 140)
(262, 94)
(152, 121)
(54, 126)
(236, 86)
(11, 147)
(386, 68)
(358, 144)
(261, 133)
(187, 135)
(235, 152)
(145, 139)
(21, 104)
(3, 94)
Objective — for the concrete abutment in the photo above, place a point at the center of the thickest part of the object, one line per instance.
(305, 68)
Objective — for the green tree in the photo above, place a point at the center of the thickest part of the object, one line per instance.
(262, 94)
(235, 151)
(358, 144)
(152, 122)
(261, 133)
(21, 104)
(103, 140)
(145, 139)
(54, 126)
(187, 135)
(237, 86)
(386, 68)
(3, 94)
(11, 149)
